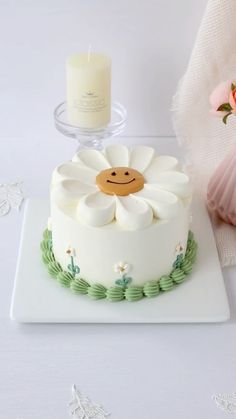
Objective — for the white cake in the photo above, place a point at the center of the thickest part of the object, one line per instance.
(120, 217)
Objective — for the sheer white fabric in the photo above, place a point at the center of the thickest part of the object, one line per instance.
(206, 139)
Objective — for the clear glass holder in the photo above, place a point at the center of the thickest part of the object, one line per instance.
(91, 138)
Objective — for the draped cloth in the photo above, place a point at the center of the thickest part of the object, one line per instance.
(206, 140)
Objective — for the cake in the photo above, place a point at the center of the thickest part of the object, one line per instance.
(119, 224)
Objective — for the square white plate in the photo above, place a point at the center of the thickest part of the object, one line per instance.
(39, 298)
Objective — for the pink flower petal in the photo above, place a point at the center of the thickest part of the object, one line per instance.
(220, 94)
(232, 99)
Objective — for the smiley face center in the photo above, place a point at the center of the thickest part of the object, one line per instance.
(120, 181)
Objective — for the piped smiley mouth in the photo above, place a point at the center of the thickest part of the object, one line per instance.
(121, 183)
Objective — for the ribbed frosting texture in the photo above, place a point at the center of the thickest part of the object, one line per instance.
(115, 293)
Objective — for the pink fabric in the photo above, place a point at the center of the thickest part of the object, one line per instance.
(221, 194)
(219, 96)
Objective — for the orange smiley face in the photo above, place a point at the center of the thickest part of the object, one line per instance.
(120, 181)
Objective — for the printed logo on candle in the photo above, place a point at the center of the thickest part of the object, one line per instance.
(89, 102)
(90, 93)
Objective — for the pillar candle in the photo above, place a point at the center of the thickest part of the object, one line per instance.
(89, 90)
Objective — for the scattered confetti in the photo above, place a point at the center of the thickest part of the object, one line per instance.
(83, 408)
(11, 196)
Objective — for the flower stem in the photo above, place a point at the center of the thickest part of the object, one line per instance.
(72, 265)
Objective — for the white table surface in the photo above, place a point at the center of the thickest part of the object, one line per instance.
(139, 371)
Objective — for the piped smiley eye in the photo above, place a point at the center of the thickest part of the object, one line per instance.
(113, 173)
(126, 173)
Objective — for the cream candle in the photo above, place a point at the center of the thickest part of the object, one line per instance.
(89, 90)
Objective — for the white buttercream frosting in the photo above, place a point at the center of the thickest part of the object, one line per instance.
(165, 190)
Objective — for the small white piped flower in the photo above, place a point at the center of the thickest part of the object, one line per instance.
(122, 268)
(70, 251)
(49, 224)
(178, 248)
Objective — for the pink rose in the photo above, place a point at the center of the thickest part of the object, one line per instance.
(232, 100)
(223, 100)
(219, 96)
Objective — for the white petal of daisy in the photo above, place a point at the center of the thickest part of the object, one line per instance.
(96, 209)
(165, 205)
(141, 157)
(160, 164)
(175, 182)
(132, 213)
(92, 158)
(74, 171)
(117, 155)
(71, 189)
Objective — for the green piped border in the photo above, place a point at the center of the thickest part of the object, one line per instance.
(132, 293)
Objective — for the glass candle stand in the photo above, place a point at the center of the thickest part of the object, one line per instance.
(91, 138)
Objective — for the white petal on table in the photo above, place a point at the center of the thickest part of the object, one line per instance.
(81, 407)
(11, 196)
(158, 165)
(117, 155)
(165, 205)
(132, 213)
(141, 157)
(74, 171)
(92, 158)
(226, 402)
(4, 207)
(15, 195)
(96, 209)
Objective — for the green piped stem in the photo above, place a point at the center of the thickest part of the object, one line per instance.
(131, 293)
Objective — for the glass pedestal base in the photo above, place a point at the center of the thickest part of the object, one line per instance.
(91, 138)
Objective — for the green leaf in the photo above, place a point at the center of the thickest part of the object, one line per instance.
(127, 280)
(225, 107)
(76, 269)
(226, 117)
(233, 86)
(119, 282)
(123, 282)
